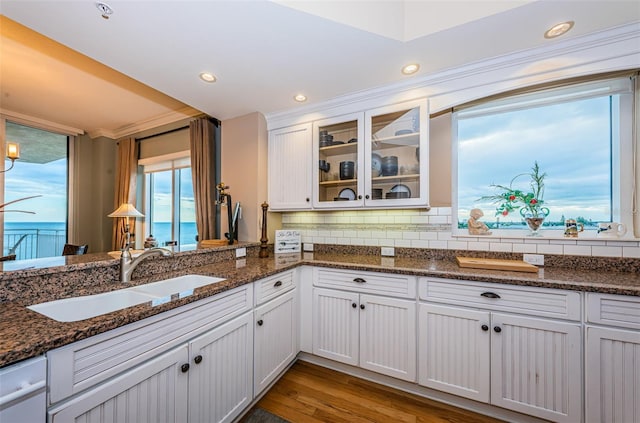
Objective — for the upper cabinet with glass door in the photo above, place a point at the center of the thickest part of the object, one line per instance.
(397, 149)
(338, 155)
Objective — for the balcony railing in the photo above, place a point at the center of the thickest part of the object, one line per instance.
(34, 243)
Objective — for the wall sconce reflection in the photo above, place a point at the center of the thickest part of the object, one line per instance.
(13, 153)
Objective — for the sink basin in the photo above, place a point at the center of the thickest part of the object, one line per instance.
(181, 285)
(80, 308)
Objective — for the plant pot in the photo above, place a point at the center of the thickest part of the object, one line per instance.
(534, 224)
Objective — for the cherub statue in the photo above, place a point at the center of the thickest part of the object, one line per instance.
(475, 226)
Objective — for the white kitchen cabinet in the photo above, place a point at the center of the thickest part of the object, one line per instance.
(536, 367)
(221, 372)
(289, 168)
(373, 332)
(155, 391)
(333, 187)
(527, 364)
(612, 359)
(454, 347)
(397, 137)
(276, 338)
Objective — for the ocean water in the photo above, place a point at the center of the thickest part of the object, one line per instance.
(46, 239)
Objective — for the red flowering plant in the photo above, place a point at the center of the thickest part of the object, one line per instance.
(529, 203)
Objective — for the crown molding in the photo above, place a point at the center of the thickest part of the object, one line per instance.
(47, 125)
(143, 125)
(613, 49)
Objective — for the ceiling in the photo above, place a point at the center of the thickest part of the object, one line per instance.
(140, 67)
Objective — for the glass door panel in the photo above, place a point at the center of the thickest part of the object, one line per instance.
(396, 135)
(339, 174)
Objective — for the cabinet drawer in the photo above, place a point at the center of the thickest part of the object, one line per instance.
(614, 310)
(498, 297)
(272, 286)
(78, 366)
(392, 285)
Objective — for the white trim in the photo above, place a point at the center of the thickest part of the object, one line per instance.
(610, 50)
(143, 125)
(39, 123)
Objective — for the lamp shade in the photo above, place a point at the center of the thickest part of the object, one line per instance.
(126, 210)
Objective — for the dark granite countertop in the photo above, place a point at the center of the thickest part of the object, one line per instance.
(25, 333)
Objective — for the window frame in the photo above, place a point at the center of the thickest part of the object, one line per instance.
(170, 162)
(623, 170)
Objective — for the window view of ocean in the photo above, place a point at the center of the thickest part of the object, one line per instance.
(29, 240)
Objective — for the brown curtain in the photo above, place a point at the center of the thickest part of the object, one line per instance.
(125, 190)
(202, 142)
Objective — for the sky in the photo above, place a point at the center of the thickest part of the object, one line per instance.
(570, 142)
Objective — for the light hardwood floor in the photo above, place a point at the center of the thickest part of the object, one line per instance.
(311, 394)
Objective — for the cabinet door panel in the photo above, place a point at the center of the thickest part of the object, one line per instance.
(454, 350)
(289, 161)
(388, 336)
(153, 392)
(335, 325)
(275, 339)
(220, 386)
(613, 375)
(535, 367)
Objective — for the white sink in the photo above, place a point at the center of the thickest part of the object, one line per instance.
(181, 285)
(80, 308)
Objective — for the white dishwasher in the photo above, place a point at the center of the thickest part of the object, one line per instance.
(23, 393)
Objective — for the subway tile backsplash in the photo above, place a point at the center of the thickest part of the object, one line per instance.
(432, 229)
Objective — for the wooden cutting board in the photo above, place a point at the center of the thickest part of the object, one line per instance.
(496, 264)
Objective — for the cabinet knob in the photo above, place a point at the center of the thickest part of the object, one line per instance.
(359, 280)
(260, 322)
(197, 359)
(184, 368)
(366, 197)
(277, 284)
(490, 295)
(307, 199)
(485, 327)
(354, 305)
(359, 197)
(497, 329)
(361, 306)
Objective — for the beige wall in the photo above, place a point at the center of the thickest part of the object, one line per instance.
(93, 191)
(244, 170)
(440, 161)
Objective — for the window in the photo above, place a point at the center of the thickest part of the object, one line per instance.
(579, 135)
(169, 206)
(40, 171)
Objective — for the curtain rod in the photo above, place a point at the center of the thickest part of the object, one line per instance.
(213, 120)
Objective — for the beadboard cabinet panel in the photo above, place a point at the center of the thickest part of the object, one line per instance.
(536, 367)
(220, 377)
(613, 375)
(153, 392)
(388, 336)
(454, 350)
(289, 168)
(336, 325)
(276, 341)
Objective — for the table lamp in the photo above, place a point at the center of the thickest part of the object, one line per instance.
(126, 210)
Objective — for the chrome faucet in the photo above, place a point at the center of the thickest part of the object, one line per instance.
(128, 263)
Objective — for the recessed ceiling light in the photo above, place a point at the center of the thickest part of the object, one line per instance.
(559, 29)
(208, 77)
(105, 9)
(411, 69)
(300, 98)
